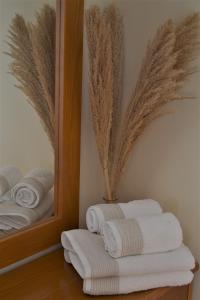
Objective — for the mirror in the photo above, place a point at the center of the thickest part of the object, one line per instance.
(27, 113)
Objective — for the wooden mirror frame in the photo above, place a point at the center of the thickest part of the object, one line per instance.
(69, 19)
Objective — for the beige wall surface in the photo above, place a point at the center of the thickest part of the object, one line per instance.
(164, 164)
(23, 142)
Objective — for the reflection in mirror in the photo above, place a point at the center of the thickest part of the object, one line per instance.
(27, 112)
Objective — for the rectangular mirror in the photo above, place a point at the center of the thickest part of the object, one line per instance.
(40, 108)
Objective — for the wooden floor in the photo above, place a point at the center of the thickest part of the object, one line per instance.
(50, 278)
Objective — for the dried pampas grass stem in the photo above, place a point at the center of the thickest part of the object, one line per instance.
(32, 49)
(165, 67)
(104, 33)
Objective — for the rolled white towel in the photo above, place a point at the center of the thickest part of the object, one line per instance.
(88, 256)
(130, 284)
(97, 214)
(9, 176)
(13, 216)
(32, 188)
(142, 235)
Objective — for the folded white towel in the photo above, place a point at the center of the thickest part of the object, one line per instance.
(5, 227)
(126, 285)
(97, 214)
(88, 256)
(9, 176)
(13, 216)
(32, 188)
(142, 235)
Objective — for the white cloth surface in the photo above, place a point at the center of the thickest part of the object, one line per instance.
(9, 176)
(126, 285)
(95, 216)
(31, 189)
(89, 258)
(16, 217)
(142, 235)
(5, 227)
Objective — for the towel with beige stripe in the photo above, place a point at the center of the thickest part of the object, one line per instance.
(97, 214)
(132, 254)
(24, 200)
(142, 235)
(32, 188)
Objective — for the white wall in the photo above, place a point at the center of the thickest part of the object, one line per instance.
(23, 142)
(165, 163)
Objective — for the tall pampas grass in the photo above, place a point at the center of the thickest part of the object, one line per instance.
(164, 70)
(32, 49)
(104, 33)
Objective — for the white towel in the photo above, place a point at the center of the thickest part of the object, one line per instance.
(104, 275)
(13, 216)
(97, 214)
(89, 258)
(126, 285)
(5, 227)
(9, 176)
(142, 235)
(32, 188)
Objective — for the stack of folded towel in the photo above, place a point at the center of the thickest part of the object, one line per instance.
(127, 248)
(24, 200)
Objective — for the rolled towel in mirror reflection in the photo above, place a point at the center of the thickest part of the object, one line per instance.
(32, 188)
(9, 176)
(15, 217)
